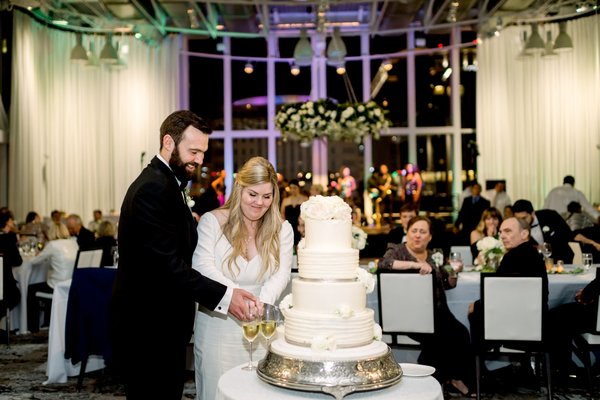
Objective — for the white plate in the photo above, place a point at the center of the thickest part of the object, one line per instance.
(415, 370)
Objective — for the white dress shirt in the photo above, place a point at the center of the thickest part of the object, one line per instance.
(559, 198)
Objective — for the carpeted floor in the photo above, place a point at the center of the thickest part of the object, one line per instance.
(23, 368)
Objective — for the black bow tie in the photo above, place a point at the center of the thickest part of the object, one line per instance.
(534, 225)
(183, 185)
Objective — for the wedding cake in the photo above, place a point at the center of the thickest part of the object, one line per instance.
(326, 317)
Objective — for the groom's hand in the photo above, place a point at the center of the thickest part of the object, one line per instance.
(241, 301)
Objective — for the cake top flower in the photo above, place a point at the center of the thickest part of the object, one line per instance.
(324, 208)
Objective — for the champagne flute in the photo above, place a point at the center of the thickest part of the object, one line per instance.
(546, 250)
(268, 325)
(250, 329)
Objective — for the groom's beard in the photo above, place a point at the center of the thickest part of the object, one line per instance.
(179, 167)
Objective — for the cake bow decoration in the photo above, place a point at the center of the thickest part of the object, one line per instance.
(377, 332)
(286, 303)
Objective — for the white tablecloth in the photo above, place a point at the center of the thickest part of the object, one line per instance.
(58, 369)
(237, 384)
(27, 274)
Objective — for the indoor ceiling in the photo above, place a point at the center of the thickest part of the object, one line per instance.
(259, 18)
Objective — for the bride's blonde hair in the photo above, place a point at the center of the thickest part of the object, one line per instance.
(255, 171)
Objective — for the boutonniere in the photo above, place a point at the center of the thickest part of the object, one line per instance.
(188, 199)
(546, 229)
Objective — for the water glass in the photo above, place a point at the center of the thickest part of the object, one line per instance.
(456, 261)
(588, 260)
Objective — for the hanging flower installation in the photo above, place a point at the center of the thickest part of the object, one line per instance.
(324, 119)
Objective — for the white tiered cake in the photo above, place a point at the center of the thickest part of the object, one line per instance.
(326, 317)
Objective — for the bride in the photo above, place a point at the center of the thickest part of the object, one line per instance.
(243, 244)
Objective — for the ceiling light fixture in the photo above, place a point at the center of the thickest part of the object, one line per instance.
(294, 69)
(523, 55)
(248, 68)
(92, 56)
(78, 54)
(535, 44)
(336, 51)
(563, 41)
(109, 54)
(303, 51)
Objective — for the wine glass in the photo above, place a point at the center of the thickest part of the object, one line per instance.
(546, 250)
(250, 329)
(456, 261)
(268, 325)
(588, 260)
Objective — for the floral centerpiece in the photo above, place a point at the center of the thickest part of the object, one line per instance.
(491, 251)
(325, 119)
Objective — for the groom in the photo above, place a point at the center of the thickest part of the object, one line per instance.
(152, 308)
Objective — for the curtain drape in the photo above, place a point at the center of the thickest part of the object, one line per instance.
(77, 134)
(538, 118)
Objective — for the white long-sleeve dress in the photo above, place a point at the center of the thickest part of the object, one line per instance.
(218, 341)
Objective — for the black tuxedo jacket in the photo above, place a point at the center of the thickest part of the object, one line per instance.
(156, 287)
(86, 239)
(527, 261)
(556, 232)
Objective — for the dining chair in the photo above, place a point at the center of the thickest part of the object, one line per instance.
(406, 306)
(465, 253)
(513, 319)
(86, 325)
(585, 343)
(91, 258)
(2, 298)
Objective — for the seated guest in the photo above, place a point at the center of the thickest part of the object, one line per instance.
(61, 252)
(85, 237)
(575, 217)
(95, 223)
(488, 226)
(34, 228)
(521, 258)
(9, 252)
(398, 234)
(568, 320)
(448, 348)
(106, 241)
(547, 226)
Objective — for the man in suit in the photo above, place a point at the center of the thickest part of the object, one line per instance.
(521, 258)
(470, 213)
(152, 307)
(398, 234)
(85, 238)
(547, 226)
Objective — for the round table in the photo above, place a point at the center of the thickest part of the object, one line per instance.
(237, 384)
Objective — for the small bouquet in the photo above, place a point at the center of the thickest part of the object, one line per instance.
(491, 251)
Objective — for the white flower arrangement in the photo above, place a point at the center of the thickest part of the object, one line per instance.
(367, 279)
(323, 118)
(324, 208)
(377, 332)
(359, 238)
(286, 303)
(344, 311)
(491, 251)
(323, 343)
(438, 259)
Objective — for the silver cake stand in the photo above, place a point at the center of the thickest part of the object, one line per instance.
(337, 378)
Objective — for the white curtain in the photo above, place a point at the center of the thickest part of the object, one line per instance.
(77, 134)
(538, 119)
